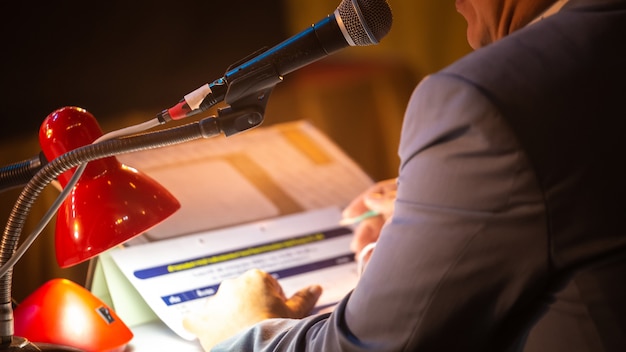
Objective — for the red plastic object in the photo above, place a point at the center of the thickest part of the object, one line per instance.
(110, 204)
(64, 313)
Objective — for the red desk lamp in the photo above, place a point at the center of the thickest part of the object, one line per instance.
(62, 313)
(110, 204)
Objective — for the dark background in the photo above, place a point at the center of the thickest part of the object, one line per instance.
(112, 57)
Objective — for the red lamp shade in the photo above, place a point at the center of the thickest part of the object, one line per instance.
(63, 313)
(110, 204)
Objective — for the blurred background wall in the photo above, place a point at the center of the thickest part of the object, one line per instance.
(125, 61)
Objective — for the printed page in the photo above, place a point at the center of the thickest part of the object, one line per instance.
(258, 174)
(175, 276)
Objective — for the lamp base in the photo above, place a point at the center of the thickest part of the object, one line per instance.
(23, 345)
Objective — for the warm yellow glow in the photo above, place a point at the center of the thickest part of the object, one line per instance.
(74, 319)
(131, 169)
(121, 220)
(76, 230)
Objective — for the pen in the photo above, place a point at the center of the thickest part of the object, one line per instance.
(356, 219)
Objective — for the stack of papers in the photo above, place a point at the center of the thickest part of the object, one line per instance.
(269, 198)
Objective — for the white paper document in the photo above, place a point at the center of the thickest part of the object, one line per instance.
(176, 276)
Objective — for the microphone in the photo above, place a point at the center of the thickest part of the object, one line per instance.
(353, 23)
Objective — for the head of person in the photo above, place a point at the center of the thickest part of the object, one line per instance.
(490, 20)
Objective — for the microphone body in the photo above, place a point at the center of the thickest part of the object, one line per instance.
(354, 23)
(267, 69)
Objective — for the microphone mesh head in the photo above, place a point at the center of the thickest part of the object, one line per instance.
(366, 21)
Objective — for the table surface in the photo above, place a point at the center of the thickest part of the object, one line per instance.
(156, 336)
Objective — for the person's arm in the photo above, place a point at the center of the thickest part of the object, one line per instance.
(463, 254)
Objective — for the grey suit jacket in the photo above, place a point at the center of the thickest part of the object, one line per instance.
(507, 232)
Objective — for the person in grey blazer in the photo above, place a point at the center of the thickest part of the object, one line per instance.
(507, 232)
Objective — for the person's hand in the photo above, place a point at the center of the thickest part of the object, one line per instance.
(379, 197)
(244, 301)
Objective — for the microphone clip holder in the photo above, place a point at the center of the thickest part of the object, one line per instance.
(244, 114)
